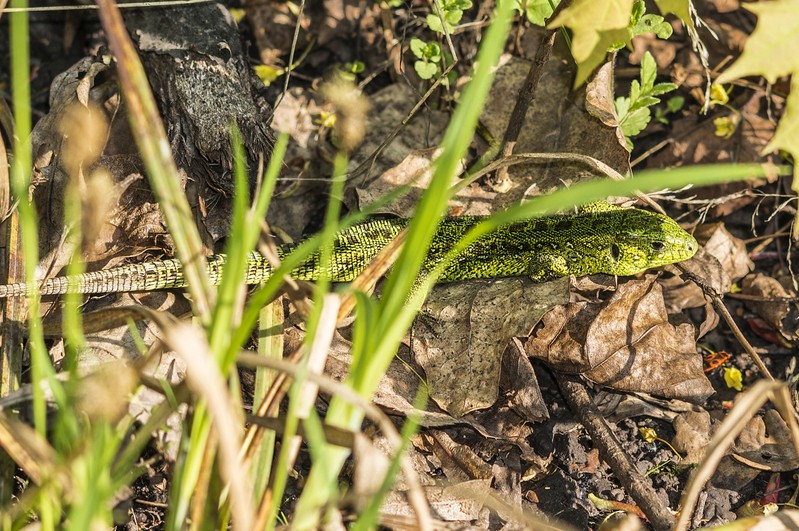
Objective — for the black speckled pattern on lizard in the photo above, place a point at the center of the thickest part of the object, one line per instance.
(608, 240)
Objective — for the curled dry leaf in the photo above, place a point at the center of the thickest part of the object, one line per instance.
(733, 475)
(691, 435)
(464, 329)
(777, 313)
(721, 260)
(729, 250)
(627, 343)
(776, 453)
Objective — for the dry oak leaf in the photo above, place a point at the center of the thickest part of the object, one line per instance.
(775, 312)
(626, 343)
(721, 260)
(692, 434)
(464, 329)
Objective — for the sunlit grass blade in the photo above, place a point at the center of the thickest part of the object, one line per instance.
(370, 364)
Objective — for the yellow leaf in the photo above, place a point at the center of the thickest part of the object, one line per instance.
(679, 8)
(718, 95)
(771, 49)
(726, 126)
(238, 14)
(267, 74)
(787, 135)
(595, 26)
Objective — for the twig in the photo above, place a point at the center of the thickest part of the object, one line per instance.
(524, 99)
(639, 488)
(718, 304)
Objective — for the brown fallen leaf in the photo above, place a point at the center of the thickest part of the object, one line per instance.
(464, 329)
(776, 453)
(729, 250)
(691, 435)
(626, 343)
(721, 260)
(777, 313)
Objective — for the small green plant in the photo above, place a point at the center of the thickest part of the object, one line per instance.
(429, 57)
(350, 71)
(633, 112)
(673, 104)
(537, 11)
(452, 11)
(640, 22)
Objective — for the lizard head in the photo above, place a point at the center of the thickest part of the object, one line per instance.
(644, 240)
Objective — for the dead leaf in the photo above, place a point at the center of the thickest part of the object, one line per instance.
(729, 250)
(777, 313)
(776, 453)
(691, 435)
(721, 260)
(464, 329)
(626, 343)
(554, 123)
(521, 385)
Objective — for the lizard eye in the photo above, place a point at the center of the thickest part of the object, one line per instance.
(657, 246)
(615, 252)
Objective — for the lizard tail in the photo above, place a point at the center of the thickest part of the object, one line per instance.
(162, 274)
(148, 276)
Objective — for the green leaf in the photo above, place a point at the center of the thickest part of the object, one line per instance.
(639, 8)
(662, 88)
(652, 24)
(660, 115)
(418, 47)
(635, 91)
(635, 122)
(622, 107)
(434, 23)
(355, 67)
(433, 52)
(425, 70)
(538, 11)
(646, 101)
(675, 103)
(453, 16)
(649, 71)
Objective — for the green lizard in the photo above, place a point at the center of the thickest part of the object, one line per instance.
(612, 240)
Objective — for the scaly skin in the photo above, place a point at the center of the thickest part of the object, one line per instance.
(612, 240)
